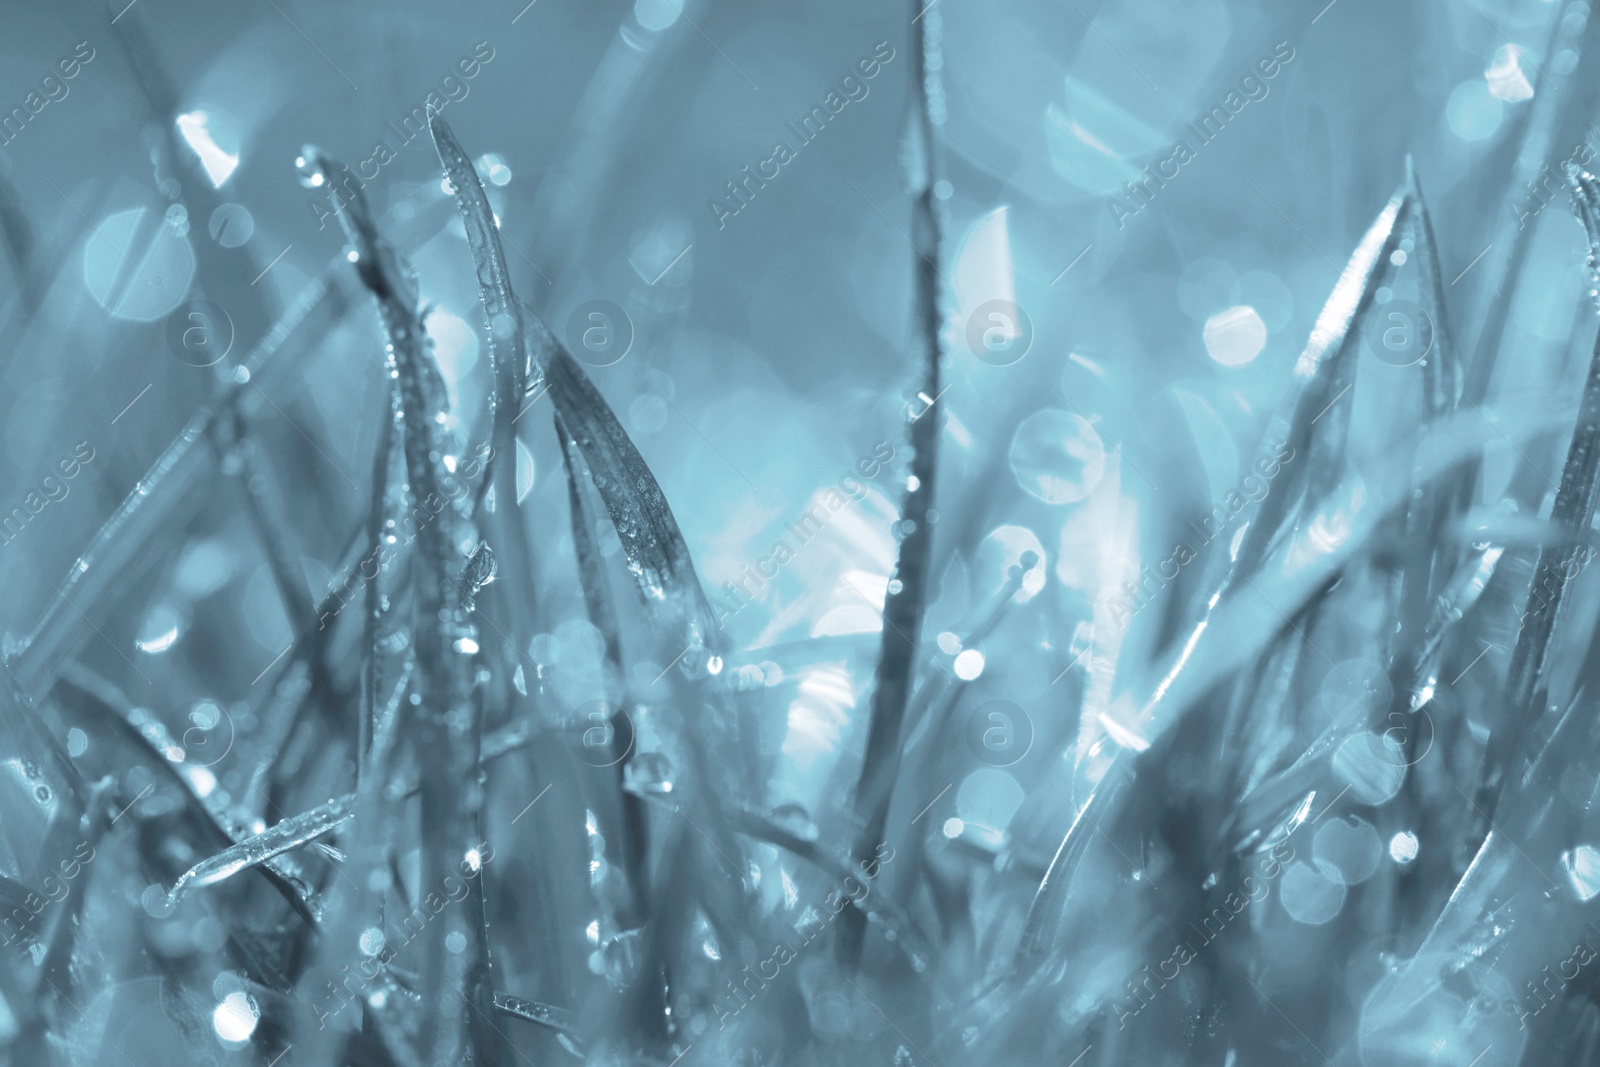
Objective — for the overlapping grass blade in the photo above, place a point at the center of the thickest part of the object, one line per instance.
(444, 733)
(1570, 517)
(508, 355)
(172, 491)
(290, 834)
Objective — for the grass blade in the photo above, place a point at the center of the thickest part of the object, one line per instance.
(1570, 517)
(908, 589)
(290, 834)
(508, 356)
(444, 733)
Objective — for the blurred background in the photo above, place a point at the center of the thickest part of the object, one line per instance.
(771, 354)
(767, 346)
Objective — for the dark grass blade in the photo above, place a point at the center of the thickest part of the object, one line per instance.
(1429, 555)
(908, 590)
(664, 575)
(18, 238)
(658, 557)
(40, 823)
(55, 795)
(1442, 368)
(380, 618)
(271, 521)
(221, 272)
(591, 572)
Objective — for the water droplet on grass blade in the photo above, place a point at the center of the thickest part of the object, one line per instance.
(649, 774)
(235, 1019)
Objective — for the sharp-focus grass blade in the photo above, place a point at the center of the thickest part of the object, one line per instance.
(286, 836)
(444, 734)
(508, 355)
(658, 557)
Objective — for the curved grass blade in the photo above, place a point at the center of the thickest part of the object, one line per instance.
(1312, 391)
(1570, 517)
(909, 938)
(1496, 912)
(29, 832)
(380, 624)
(658, 557)
(1241, 626)
(101, 703)
(591, 574)
(508, 354)
(33, 837)
(271, 520)
(1428, 562)
(1442, 371)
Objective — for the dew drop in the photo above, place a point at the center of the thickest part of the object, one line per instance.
(372, 941)
(235, 1018)
(969, 664)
